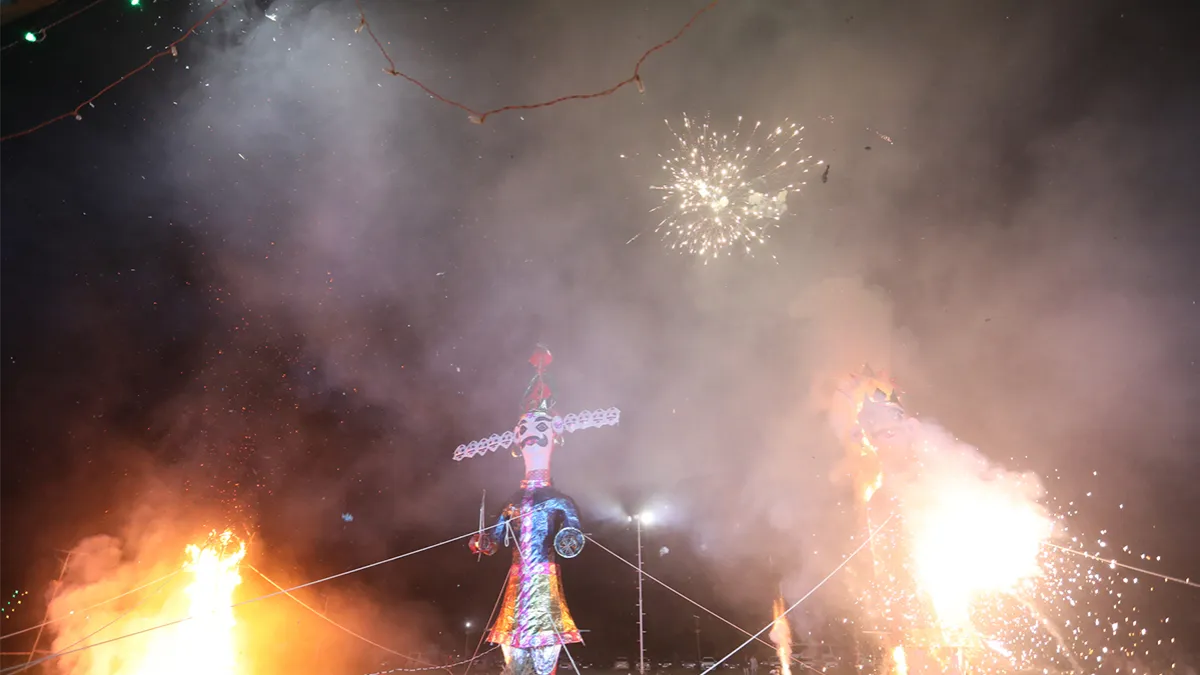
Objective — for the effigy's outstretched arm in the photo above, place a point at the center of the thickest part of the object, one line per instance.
(569, 540)
(488, 540)
(566, 507)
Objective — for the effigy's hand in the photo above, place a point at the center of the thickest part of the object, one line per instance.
(482, 543)
(569, 542)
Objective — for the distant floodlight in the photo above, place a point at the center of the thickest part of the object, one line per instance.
(646, 518)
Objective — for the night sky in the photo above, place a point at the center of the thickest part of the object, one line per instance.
(266, 285)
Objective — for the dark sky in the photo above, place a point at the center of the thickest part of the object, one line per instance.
(266, 284)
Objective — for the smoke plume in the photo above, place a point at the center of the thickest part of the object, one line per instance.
(318, 280)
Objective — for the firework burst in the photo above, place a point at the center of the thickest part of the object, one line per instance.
(981, 571)
(1082, 613)
(1076, 614)
(728, 190)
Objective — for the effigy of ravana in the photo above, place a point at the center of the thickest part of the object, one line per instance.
(538, 522)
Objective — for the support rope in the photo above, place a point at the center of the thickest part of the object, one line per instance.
(339, 626)
(804, 597)
(487, 626)
(660, 582)
(1114, 563)
(248, 601)
(90, 607)
(70, 648)
(446, 667)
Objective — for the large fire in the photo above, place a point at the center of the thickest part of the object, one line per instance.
(205, 644)
(182, 626)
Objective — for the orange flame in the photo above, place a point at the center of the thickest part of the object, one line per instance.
(205, 644)
(781, 635)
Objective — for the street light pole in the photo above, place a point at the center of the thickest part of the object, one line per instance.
(641, 613)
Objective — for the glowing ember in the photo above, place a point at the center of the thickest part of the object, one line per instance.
(205, 644)
(781, 635)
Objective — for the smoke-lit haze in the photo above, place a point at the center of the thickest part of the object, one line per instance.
(291, 284)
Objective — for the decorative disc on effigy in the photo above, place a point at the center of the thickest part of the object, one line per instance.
(568, 542)
(482, 544)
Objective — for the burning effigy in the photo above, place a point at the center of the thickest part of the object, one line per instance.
(182, 623)
(965, 578)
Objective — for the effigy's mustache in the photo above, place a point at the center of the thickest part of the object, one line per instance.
(535, 440)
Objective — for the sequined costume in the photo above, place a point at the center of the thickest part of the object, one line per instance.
(540, 523)
(534, 613)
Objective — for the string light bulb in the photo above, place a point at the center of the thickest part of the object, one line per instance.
(135, 3)
(31, 36)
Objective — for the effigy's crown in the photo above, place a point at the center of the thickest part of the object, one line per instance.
(539, 397)
(538, 411)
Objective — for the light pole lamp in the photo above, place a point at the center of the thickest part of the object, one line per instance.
(466, 638)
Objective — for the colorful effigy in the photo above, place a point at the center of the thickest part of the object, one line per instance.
(540, 523)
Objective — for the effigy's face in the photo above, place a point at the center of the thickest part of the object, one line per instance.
(535, 430)
(889, 430)
(535, 439)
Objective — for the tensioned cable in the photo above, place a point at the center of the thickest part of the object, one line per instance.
(804, 597)
(714, 614)
(1185, 582)
(68, 649)
(250, 600)
(90, 607)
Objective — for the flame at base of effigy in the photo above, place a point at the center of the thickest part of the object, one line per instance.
(181, 624)
(205, 644)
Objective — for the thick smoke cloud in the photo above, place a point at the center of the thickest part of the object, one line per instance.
(997, 288)
(377, 256)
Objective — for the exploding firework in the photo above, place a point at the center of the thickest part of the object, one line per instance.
(979, 572)
(1080, 612)
(728, 190)
(1059, 608)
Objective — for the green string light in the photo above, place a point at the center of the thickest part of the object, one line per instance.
(38, 36)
